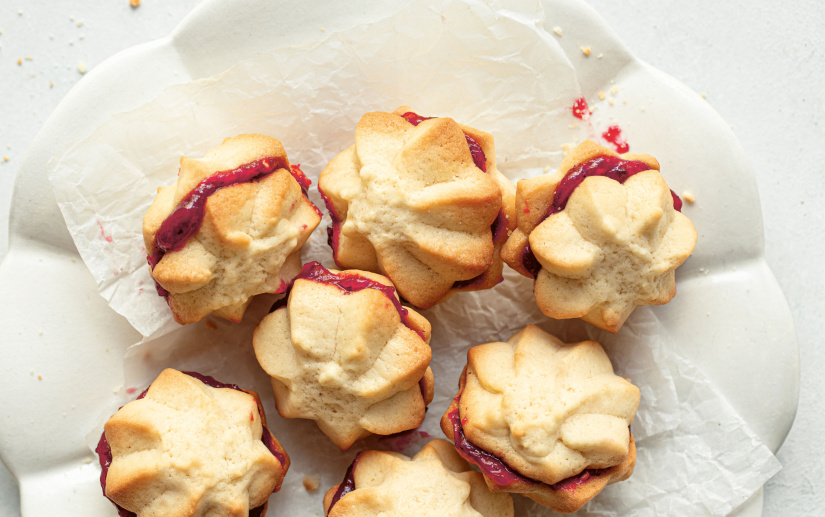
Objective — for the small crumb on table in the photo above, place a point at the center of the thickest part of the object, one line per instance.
(311, 483)
(689, 197)
(585, 50)
(81, 67)
(134, 3)
(558, 31)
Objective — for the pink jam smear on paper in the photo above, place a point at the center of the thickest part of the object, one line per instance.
(104, 451)
(608, 166)
(349, 283)
(580, 109)
(187, 217)
(614, 136)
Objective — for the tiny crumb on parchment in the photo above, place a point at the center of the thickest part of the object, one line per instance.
(19, 61)
(311, 483)
(585, 50)
(614, 90)
(81, 67)
(689, 197)
(602, 95)
(557, 30)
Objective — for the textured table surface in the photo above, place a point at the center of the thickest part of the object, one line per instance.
(761, 66)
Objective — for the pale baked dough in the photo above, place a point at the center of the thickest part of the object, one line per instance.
(249, 233)
(190, 449)
(436, 482)
(414, 207)
(614, 247)
(549, 410)
(347, 360)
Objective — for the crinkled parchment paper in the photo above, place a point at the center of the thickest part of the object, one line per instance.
(482, 64)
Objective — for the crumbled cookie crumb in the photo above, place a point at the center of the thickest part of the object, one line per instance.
(558, 31)
(81, 67)
(585, 50)
(600, 56)
(610, 101)
(689, 197)
(614, 90)
(39, 377)
(704, 95)
(602, 95)
(311, 483)
(323, 29)
(51, 84)
(6, 158)
(19, 61)
(134, 3)
(29, 58)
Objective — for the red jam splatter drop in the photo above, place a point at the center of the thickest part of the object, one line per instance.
(580, 109)
(104, 450)
(611, 167)
(614, 136)
(349, 283)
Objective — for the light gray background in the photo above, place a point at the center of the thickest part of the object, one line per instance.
(761, 64)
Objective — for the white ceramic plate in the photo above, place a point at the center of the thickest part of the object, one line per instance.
(55, 325)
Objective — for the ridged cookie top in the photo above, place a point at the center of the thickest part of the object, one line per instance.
(436, 482)
(347, 355)
(548, 409)
(610, 245)
(410, 202)
(249, 229)
(190, 449)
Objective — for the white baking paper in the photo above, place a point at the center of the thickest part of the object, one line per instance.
(491, 67)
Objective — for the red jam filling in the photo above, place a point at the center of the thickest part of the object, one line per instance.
(499, 472)
(104, 451)
(186, 219)
(475, 149)
(349, 283)
(611, 167)
(347, 484)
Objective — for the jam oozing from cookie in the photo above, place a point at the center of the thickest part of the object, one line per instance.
(104, 450)
(611, 167)
(498, 471)
(475, 149)
(347, 485)
(186, 218)
(349, 283)
(492, 467)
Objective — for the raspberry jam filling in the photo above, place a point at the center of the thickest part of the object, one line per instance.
(347, 484)
(499, 472)
(186, 218)
(475, 149)
(349, 283)
(611, 167)
(104, 451)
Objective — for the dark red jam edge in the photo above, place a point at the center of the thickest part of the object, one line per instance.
(497, 470)
(475, 149)
(611, 167)
(347, 485)
(349, 283)
(104, 451)
(187, 217)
